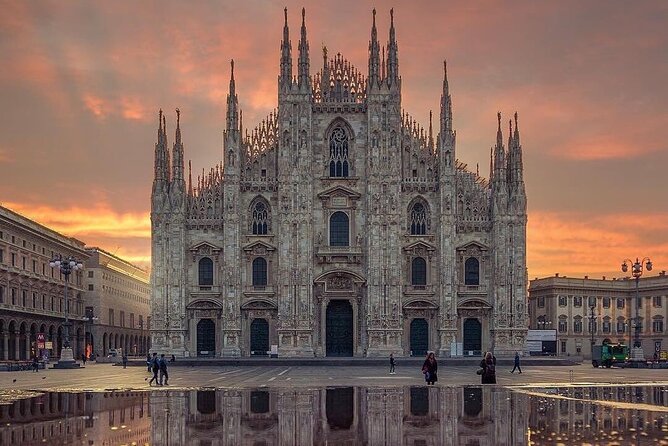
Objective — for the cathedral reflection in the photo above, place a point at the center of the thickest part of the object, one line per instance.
(411, 416)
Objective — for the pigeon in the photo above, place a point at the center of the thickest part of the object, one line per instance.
(43, 377)
(14, 380)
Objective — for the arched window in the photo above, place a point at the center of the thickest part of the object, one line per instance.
(260, 218)
(206, 272)
(339, 229)
(472, 271)
(418, 219)
(259, 272)
(419, 271)
(338, 153)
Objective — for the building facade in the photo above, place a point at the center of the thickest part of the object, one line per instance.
(32, 293)
(566, 304)
(338, 226)
(117, 304)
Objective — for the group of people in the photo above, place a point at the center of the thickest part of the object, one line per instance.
(159, 368)
(487, 370)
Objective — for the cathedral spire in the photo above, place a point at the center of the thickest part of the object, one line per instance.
(374, 55)
(431, 131)
(392, 54)
(515, 164)
(446, 104)
(165, 149)
(232, 103)
(500, 176)
(286, 56)
(190, 178)
(177, 153)
(161, 168)
(304, 77)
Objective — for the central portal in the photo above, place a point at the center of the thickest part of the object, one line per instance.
(339, 328)
(206, 338)
(472, 336)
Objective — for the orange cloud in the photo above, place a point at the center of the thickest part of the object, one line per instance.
(88, 223)
(578, 244)
(95, 105)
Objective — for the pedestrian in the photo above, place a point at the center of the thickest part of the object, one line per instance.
(430, 369)
(488, 369)
(517, 363)
(35, 364)
(125, 360)
(154, 368)
(148, 362)
(392, 364)
(162, 365)
(173, 359)
(83, 358)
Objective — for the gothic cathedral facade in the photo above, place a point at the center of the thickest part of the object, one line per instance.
(338, 227)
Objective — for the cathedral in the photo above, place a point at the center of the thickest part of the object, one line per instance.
(338, 226)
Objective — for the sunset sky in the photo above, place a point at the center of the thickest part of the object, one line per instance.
(81, 84)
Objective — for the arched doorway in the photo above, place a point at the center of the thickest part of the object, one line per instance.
(419, 337)
(472, 336)
(339, 328)
(206, 338)
(259, 333)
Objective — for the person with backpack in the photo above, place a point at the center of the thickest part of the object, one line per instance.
(162, 366)
(154, 368)
(488, 369)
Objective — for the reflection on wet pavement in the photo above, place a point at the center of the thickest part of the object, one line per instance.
(420, 415)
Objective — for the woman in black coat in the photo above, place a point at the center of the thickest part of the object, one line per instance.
(488, 368)
(430, 369)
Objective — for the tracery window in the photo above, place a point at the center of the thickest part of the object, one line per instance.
(206, 272)
(260, 272)
(260, 218)
(418, 219)
(472, 271)
(339, 229)
(338, 153)
(419, 272)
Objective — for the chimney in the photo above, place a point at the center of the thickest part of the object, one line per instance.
(556, 274)
(586, 277)
(603, 277)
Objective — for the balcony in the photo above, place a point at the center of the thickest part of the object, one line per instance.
(421, 290)
(339, 254)
(259, 291)
(472, 290)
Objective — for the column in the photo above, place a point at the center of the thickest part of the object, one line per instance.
(5, 346)
(17, 346)
(28, 345)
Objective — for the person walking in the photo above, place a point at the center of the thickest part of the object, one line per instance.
(488, 369)
(125, 360)
(517, 363)
(392, 364)
(35, 364)
(162, 365)
(430, 369)
(148, 362)
(83, 358)
(154, 368)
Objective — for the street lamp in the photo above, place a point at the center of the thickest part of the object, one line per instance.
(66, 267)
(637, 268)
(543, 323)
(592, 326)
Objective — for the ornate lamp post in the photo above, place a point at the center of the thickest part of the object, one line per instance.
(592, 326)
(637, 268)
(66, 267)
